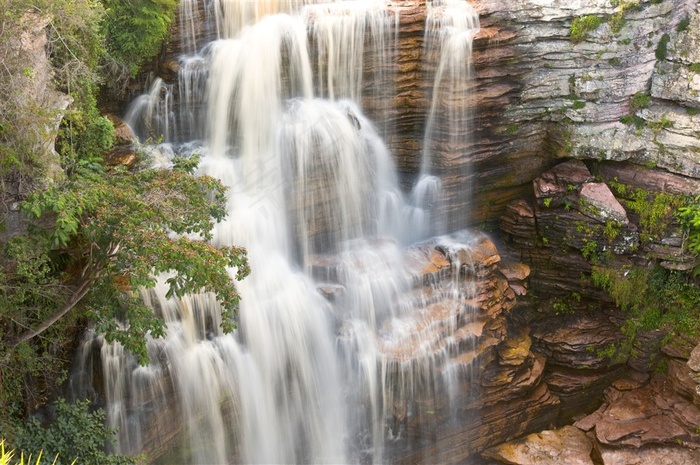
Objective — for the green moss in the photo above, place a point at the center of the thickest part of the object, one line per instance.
(639, 101)
(578, 104)
(695, 68)
(512, 128)
(663, 123)
(581, 26)
(662, 47)
(683, 24)
(638, 122)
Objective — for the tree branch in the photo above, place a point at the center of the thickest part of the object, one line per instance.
(77, 296)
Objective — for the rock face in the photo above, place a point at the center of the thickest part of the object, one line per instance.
(567, 445)
(27, 81)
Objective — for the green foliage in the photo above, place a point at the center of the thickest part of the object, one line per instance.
(578, 104)
(663, 123)
(74, 49)
(689, 216)
(82, 139)
(695, 68)
(76, 436)
(683, 24)
(118, 228)
(136, 30)
(617, 20)
(633, 120)
(656, 211)
(662, 48)
(639, 101)
(611, 230)
(581, 26)
(566, 305)
(652, 299)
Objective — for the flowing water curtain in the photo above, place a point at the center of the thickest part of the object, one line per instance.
(450, 29)
(307, 176)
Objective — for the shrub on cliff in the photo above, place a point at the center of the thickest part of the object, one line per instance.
(136, 30)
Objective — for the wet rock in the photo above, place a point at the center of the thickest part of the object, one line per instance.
(123, 134)
(121, 155)
(567, 445)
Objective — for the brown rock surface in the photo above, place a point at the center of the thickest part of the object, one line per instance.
(567, 445)
(651, 415)
(649, 455)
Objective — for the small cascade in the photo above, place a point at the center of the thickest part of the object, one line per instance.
(449, 33)
(358, 322)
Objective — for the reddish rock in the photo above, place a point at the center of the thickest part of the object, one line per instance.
(649, 455)
(653, 414)
(567, 445)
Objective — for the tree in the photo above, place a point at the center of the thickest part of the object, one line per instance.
(94, 241)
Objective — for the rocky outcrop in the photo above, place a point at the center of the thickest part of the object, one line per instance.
(557, 98)
(567, 445)
(27, 85)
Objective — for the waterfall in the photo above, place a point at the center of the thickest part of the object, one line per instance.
(348, 321)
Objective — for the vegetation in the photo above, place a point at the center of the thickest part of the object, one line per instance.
(581, 26)
(78, 435)
(683, 24)
(91, 236)
(135, 30)
(662, 48)
(689, 216)
(639, 101)
(652, 298)
(617, 20)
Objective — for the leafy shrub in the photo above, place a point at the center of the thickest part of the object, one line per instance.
(639, 101)
(77, 434)
(136, 30)
(581, 26)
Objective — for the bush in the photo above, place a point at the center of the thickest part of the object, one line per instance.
(136, 30)
(581, 26)
(77, 435)
(639, 101)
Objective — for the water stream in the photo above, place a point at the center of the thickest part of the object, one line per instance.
(341, 341)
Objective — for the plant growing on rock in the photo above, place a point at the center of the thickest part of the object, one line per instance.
(581, 26)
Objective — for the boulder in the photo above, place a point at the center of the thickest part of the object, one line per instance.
(567, 445)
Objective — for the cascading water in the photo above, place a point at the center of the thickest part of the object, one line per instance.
(341, 338)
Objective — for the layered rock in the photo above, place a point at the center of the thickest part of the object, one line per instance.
(567, 445)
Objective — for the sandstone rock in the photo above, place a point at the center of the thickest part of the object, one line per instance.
(121, 155)
(694, 360)
(653, 414)
(514, 271)
(603, 204)
(576, 341)
(122, 132)
(567, 445)
(649, 455)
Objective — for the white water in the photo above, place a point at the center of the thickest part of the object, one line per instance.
(274, 104)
